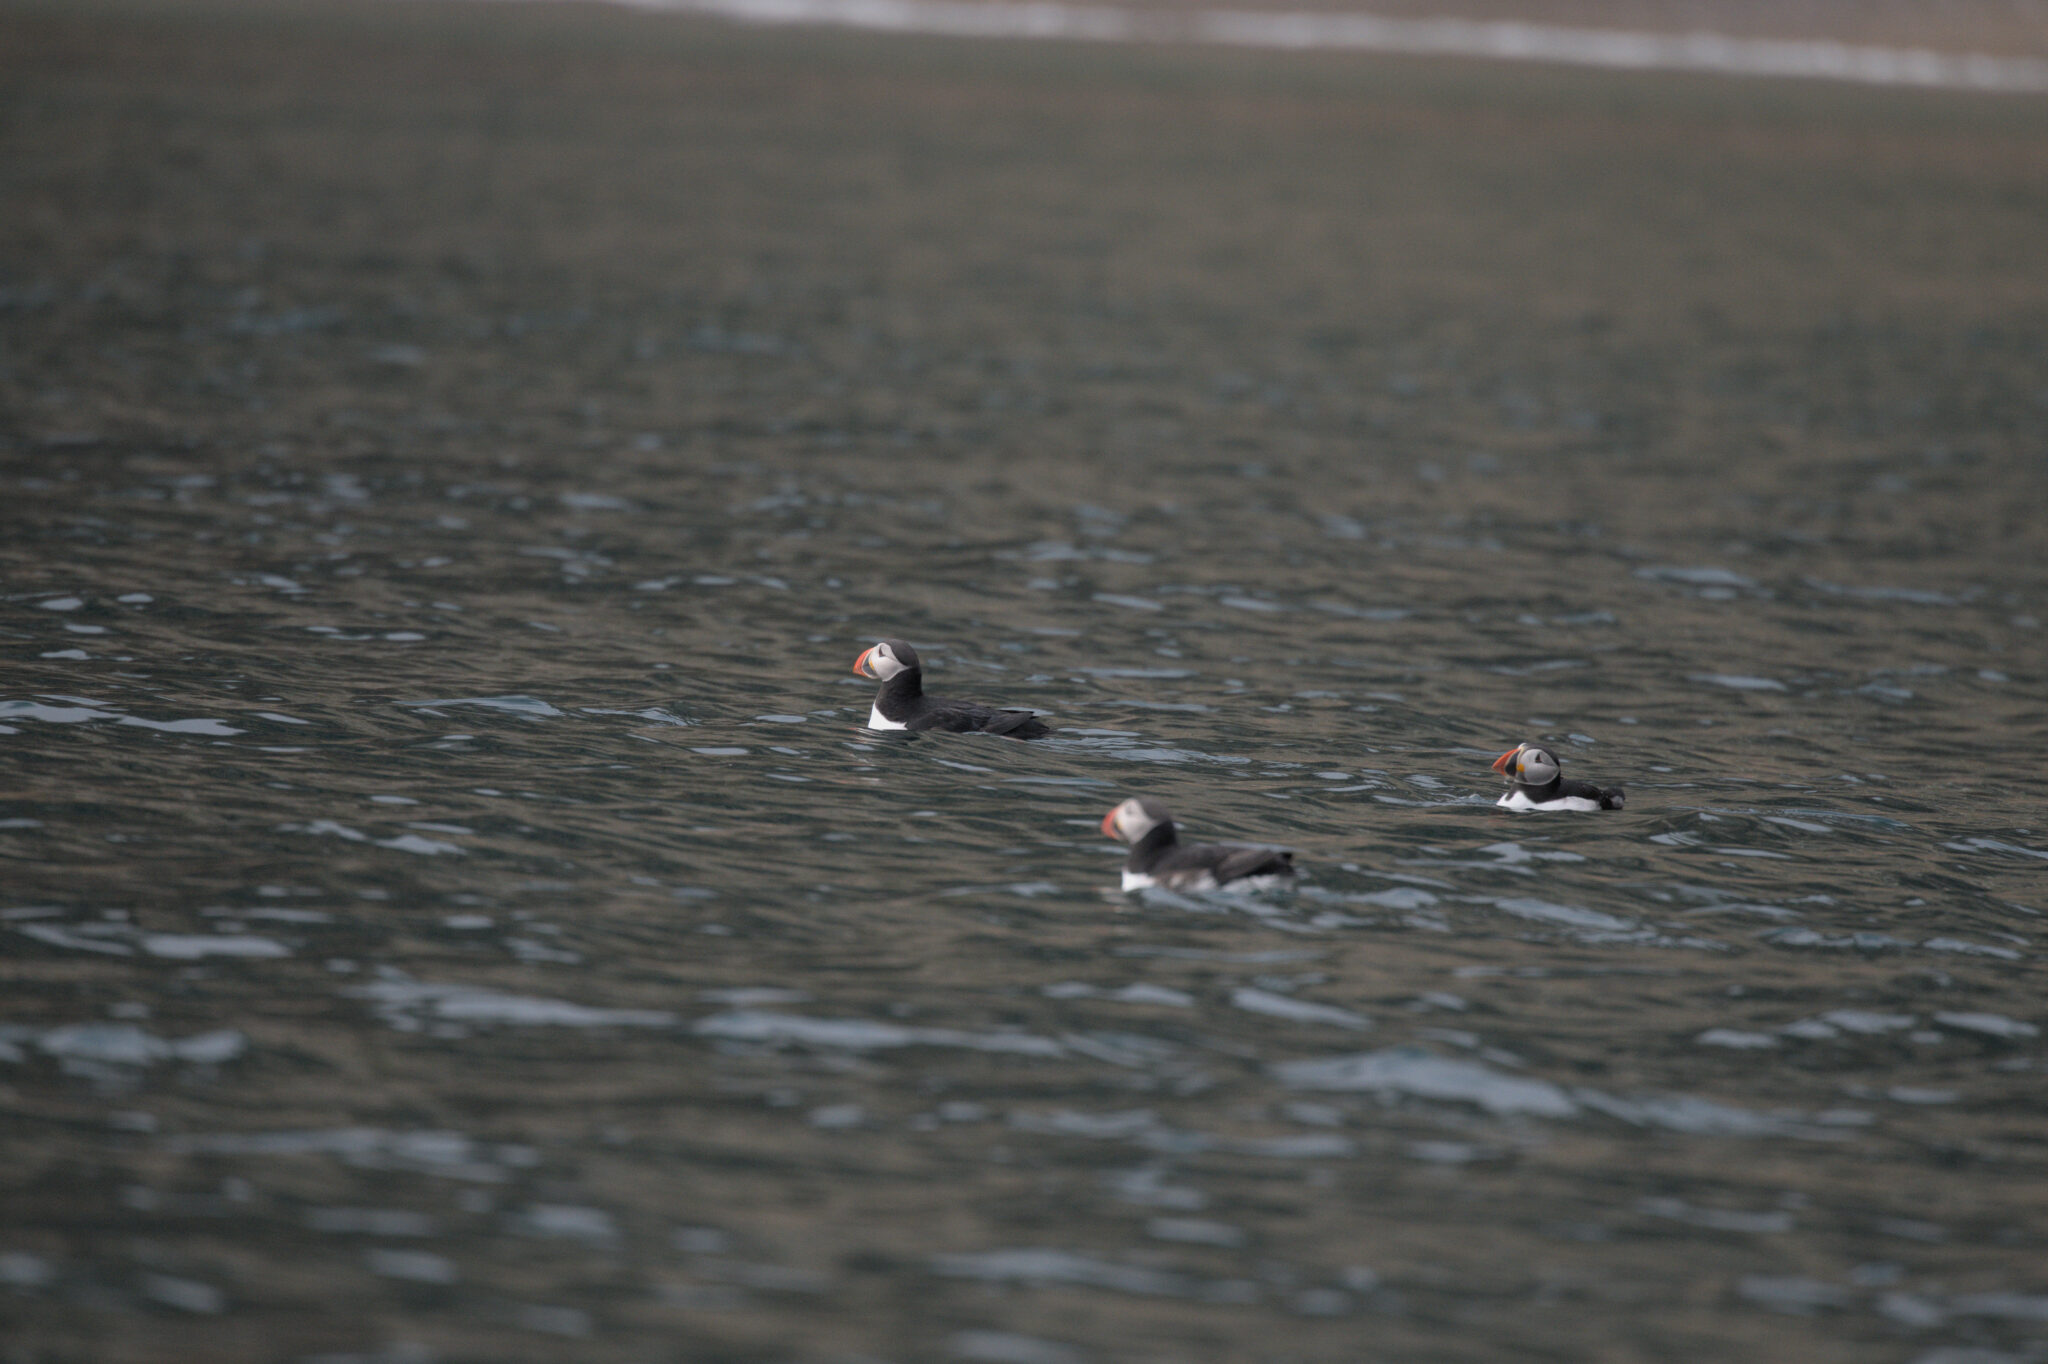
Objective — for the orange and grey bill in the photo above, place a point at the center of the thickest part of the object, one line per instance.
(860, 665)
(1500, 764)
(1109, 825)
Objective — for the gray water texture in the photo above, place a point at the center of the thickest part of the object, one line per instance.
(452, 909)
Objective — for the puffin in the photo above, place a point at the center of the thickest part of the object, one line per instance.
(1536, 783)
(902, 704)
(1159, 858)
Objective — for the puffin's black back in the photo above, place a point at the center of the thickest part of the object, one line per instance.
(1161, 854)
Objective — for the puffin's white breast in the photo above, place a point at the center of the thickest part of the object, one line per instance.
(1516, 800)
(877, 720)
(1203, 881)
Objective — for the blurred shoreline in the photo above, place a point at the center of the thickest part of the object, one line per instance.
(1991, 47)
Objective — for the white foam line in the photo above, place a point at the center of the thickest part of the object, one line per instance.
(954, 18)
(1618, 49)
(1624, 50)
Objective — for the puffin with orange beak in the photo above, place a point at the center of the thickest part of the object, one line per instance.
(1536, 782)
(1159, 858)
(902, 704)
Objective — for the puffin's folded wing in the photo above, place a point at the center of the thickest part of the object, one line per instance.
(1020, 724)
(1243, 862)
(1611, 798)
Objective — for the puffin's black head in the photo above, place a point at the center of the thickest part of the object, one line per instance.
(1133, 819)
(883, 661)
(1528, 764)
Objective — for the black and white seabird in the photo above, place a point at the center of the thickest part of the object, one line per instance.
(902, 704)
(1536, 782)
(1159, 858)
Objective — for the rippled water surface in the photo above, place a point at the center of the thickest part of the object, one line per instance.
(452, 909)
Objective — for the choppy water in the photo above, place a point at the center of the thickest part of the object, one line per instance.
(452, 909)
(528, 933)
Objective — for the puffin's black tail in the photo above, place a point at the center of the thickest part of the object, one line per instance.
(1613, 798)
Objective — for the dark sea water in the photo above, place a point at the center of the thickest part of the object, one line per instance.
(451, 909)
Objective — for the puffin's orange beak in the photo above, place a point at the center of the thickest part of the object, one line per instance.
(860, 665)
(1500, 764)
(1109, 825)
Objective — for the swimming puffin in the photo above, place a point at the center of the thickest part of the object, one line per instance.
(1159, 858)
(902, 704)
(1535, 783)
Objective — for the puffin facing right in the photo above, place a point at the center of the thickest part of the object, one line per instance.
(1159, 858)
(1536, 782)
